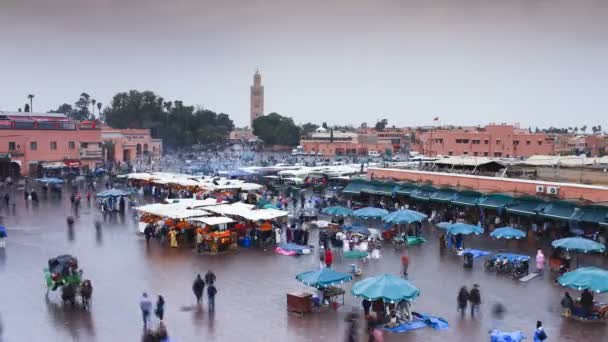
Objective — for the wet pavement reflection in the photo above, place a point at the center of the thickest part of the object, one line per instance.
(252, 286)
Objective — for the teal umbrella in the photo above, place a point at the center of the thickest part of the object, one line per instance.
(386, 287)
(464, 229)
(578, 244)
(508, 233)
(370, 213)
(404, 216)
(323, 278)
(591, 278)
(337, 211)
(355, 254)
(270, 206)
(443, 225)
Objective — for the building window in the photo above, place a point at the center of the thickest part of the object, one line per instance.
(540, 143)
(528, 142)
(53, 145)
(515, 142)
(71, 145)
(465, 141)
(33, 145)
(485, 154)
(458, 141)
(497, 154)
(476, 142)
(12, 146)
(475, 154)
(486, 142)
(84, 145)
(465, 153)
(450, 153)
(497, 141)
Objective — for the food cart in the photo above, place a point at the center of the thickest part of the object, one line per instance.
(216, 236)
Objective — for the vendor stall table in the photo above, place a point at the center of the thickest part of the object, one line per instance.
(299, 302)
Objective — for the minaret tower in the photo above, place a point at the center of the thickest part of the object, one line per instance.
(257, 98)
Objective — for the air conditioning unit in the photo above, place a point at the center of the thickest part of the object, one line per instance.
(540, 188)
(552, 190)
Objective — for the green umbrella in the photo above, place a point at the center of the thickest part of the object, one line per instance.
(355, 254)
(385, 287)
(591, 278)
(323, 278)
(464, 229)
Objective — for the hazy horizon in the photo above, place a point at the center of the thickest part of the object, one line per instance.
(536, 62)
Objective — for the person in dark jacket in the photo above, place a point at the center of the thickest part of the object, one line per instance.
(198, 288)
(463, 298)
(475, 299)
(366, 305)
(160, 308)
(587, 301)
(209, 277)
(211, 292)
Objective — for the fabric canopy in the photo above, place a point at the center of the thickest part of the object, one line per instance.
(404, 216)
(423, 193)
(379, 188)
(337, 211)
(508, 233)
(354, 187)
(467, 198)
(526, 206)
(370, 213)
(443, 196)
(558, 211)
(406, 189)
(464, 229)
(578, 244)
(113, 193)
(495, 201)
(591, 214)
(323, 278)
(213, 220)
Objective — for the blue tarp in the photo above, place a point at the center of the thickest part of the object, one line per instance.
(501, 336)
(50, 180)
(420, 321)
(476, 252)
(293, 247)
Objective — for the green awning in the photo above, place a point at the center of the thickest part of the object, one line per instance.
(467, 198)
(379, 188)
(495, 201)
(423, 193)
(443, 195)
(558, 211)
(406, 189)
(605, 222)
(591, 214)
(355, 187)
(526, 206)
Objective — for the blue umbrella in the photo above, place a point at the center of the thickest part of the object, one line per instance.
(113, 193)
(404, 216)
(337, 211)
(357, 229)
(508, 233)
(3, 231)
(386, 287)
(50, 180)
(443, 225)
(370, 213)
(464, 229)
(323, 278)
(591, 278)
(578, 244)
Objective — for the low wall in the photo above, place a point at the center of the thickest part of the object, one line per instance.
(567, 191)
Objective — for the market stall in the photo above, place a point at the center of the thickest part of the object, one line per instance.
(215, 234)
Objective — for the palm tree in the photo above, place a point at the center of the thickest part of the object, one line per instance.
(31, 97)
(99, 110)
(93, 101)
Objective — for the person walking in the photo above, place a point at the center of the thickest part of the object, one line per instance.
(7, 199)
(211, 292)
(173, 238)
(366, 306)
(540, 261)
(209, 278)
(475, 299)
(405, 262)
(463, 298)
(329, 257)
(199, 241)
(539, 334)
(160, 307)
(198, 288)
(146, 306)
(567, 303)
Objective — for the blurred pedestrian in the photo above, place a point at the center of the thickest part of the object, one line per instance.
(475, 299)
(160, 307)
(539, 334)
(7, 199)
(211, 292)
(209, 278)
(329, 257)
(198, 288)
(148, 232)
(146, 306)
(462, 299)
(540, 261)
(366, 306)
(405, 262)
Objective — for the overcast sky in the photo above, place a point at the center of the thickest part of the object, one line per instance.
(536, 62)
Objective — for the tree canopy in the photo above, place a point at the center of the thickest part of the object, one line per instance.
(275, 129)
(174, 122)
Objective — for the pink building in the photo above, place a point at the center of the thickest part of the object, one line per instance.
(501, 141)
(31, 143)
(344, 143)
